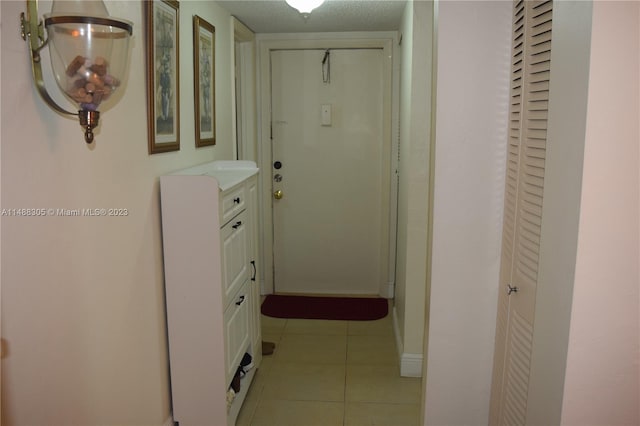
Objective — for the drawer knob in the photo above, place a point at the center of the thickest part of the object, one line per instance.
(236, 200)
(240, 301)
(237, 225)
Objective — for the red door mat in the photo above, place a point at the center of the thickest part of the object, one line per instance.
(329, 308)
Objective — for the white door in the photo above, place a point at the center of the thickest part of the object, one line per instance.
(330, 225)
(530, 76)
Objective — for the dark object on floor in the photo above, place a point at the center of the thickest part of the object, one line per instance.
(268, 348)
(235, 383)
(330, 308)
(240, 372)
(246, 360)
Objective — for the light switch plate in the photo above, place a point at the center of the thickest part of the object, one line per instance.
(326, 114)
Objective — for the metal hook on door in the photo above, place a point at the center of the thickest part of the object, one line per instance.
(326, 67)
(511, 289)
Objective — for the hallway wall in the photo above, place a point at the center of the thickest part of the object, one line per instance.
(471, 119)
(83, 322)
(603, 376)
(586, 335)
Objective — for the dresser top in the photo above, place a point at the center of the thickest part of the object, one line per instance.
(228, 173)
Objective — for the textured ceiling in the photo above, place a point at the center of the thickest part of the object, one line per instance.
(275, 16)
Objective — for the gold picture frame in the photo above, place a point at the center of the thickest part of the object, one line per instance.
(163, 75)
(204, 54)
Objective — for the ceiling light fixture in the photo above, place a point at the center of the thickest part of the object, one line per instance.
(89, 54)
(305, 7)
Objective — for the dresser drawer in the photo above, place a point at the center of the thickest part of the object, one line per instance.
(236, 331)
(234, 200)
(235, 255)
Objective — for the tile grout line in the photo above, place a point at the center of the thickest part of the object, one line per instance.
(344, 388)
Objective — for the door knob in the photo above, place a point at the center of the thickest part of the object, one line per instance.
(278, 194)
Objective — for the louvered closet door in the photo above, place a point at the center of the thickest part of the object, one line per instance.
(530, 71)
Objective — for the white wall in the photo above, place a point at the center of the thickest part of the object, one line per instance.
(602, 376)
(413, 195)
(82, 297)
(472, 100)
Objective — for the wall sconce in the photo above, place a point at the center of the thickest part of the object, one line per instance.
(305, 7)
(89, 54)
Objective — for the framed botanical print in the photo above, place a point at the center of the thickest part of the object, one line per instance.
(163, 77)
(204, 51)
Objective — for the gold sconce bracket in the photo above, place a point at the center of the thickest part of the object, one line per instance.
(32, 31)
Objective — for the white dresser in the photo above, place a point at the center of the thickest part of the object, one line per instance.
(209, 227)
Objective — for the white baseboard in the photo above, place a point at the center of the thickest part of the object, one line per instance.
(410, 364)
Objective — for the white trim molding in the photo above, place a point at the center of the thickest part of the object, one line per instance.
(387, 290)
(386, 40)
(410, 364)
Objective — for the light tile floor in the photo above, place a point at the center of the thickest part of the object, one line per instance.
(326, 373)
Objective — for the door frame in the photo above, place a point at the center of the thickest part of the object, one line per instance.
(269, 42)
(243, 72)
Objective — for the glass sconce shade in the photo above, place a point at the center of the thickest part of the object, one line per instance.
(89, 51)
(89, 54)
